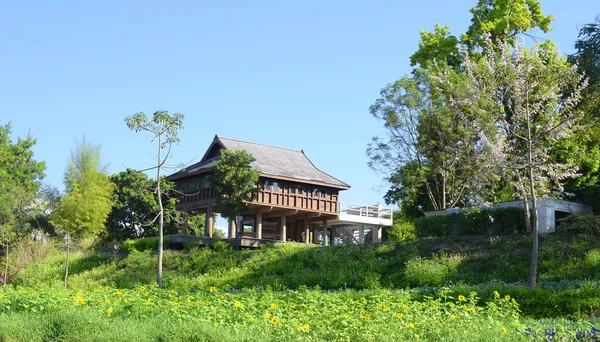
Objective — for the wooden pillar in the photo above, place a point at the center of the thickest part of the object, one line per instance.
(231, 228)
(325, 243)
(283, 228)
(361, 234)
(306, 230)
(332, 240)
(259, 225)
(208, 222)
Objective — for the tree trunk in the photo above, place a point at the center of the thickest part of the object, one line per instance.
(444, 206)
(160, 220)
(6, 266)
(527, 214)
(534, 253)
(67, 261)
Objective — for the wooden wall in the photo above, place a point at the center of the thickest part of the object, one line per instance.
(294, 195)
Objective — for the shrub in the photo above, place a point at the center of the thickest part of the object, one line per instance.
(144, 244)
(472, 222)
(432, 272)
(400, 231)
(579, 224)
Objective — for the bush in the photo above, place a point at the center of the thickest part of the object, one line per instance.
(432, 272)
(400, 231)
(579, 224)
(475, 221)
(144, 244)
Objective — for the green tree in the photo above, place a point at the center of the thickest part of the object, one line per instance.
(20, 177)
(235, 182)
(164, 129)
(82, 212)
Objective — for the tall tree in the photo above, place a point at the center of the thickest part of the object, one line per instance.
(235, 182)
(82, 212)
(164, 128)
(20, 177)
(535, 93)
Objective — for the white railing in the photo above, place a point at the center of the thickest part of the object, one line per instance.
(376, 211)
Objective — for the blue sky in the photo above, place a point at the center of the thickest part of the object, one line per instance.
(299, 75)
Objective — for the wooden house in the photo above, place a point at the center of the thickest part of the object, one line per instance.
(296, 200)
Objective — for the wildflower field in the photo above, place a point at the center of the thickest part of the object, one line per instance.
(149, 313)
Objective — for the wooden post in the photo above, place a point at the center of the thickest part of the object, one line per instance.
(208, 222)
(283, 227)
(231, 228)
(259, 225)
(306, 230)
(361, 234)
(325, 243)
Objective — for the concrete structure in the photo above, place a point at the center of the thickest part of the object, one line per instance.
(549, 210)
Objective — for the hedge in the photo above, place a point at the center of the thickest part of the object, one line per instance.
(472, 222)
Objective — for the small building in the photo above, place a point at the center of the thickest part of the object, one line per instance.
(550, 210)
(296, 201)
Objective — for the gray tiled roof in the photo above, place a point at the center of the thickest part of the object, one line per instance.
(270, 160)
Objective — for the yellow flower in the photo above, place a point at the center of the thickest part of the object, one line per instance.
(404, 307)
(411, 325)
(119, 293)
(148, 302)
(274, 320)
(212, 289)
(363, 300)
(216, 324)
(237, 304)
(399, 315)
(273, 305)
(205, 301)
(364, 318)
(110, 311)
(306, 327)
(346, 315)
(116, 303)
(417, 336)
(310, 308)
(292, 305)
(267, 315)
(146, 293)
(507, 297)
(175, 308)
(142, 288)
(504, 330)
(512, 300)
(456, 318)
(471, 310)
(461, 298)
(383, 307)
(80, 300)
(497, 294)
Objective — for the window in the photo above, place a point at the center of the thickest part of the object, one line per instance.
(248, 226)
(193, 185)
(275, 187)
(315, 192)
(323, 193)
(268, 185)
(292, 188)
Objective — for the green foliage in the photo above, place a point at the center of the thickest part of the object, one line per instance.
(472, 222)
(235, 181)
(431, 272)
(403, 228)
(20, 177)
(436, 47)
(145, 244)
(505, 20)
(580, 224)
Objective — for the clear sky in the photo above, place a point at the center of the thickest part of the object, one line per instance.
(299, 75)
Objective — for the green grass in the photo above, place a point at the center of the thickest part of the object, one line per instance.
(150, 314)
